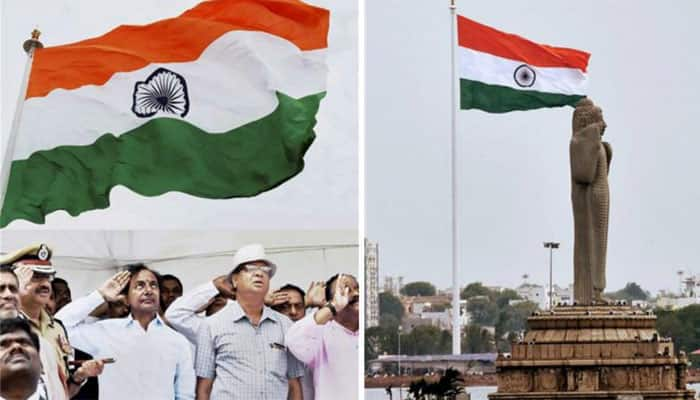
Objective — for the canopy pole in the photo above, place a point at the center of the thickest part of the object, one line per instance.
(456, 326)
(29, 46)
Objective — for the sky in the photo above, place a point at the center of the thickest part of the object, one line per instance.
(513, 180)
(322, 196)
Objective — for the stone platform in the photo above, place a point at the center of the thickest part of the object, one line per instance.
(592, 352)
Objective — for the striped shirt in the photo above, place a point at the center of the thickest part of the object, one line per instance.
(245, 361)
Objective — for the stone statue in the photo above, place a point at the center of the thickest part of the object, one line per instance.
(590, 161)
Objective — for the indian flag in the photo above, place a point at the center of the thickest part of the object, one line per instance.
(218, 102)
(501, 72)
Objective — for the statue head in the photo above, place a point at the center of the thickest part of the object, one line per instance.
(586, 114)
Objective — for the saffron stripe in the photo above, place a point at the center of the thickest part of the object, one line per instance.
(483, 38)
(181, 39)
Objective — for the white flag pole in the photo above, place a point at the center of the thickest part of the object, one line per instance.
(456, 320)
(29, 46)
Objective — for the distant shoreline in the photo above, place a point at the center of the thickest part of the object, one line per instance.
(469, 380)
(405, 381)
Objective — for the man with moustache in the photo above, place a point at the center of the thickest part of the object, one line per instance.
(327, 340)
(241, 352)
(20, 367)
(52, 383)
(290, 301)
(33, 264)
(152, 361)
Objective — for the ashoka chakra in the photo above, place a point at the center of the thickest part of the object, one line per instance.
(524, 76)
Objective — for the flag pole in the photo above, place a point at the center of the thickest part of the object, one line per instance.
(456, 326)
(29, 46)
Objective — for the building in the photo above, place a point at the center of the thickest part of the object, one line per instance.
(689, 295)
(393, 285)
(431, 310)
(371, 284)
(564, 296)
(534, 293)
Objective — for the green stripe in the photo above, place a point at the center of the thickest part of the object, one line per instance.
(165, 155)
(500, 99)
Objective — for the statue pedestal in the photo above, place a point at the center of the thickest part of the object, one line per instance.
(592, 352)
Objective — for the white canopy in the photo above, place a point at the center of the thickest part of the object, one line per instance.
(86, 258)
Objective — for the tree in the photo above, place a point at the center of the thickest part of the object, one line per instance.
(483, 311)
(426, 339)
(475, 289)
(477, 340)
(514, 318)
(390, 304)
(681, 325)
(631, 291)
(503, 298)
(418, 289)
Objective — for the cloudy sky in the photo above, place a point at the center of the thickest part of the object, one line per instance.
(323, 196)
(513, 169)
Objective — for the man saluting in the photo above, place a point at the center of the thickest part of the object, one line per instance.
(152, 360)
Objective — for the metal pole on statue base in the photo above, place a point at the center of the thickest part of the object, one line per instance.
(456, 326)
(29, 46)
(551, 246)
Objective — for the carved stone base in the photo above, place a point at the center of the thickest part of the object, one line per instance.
(594, 352)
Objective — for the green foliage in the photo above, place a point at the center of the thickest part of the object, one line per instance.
(418, 289)
(389, 321)
(631, 291)
(390, 304)
(483, 310)
(426, 340)
(477, 340)
(504, 297)
(474, 289)
(511, 320)
(682, 325)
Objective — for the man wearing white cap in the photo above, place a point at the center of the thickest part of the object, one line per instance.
(241, 353)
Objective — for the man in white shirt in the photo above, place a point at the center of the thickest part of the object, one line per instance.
(152, 361)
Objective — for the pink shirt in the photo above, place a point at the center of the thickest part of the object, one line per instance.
(331, 351)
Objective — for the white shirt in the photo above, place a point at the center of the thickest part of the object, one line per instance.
(150, 364)
(182, 313)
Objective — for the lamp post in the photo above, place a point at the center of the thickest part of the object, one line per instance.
(551, 246)
(399, 333)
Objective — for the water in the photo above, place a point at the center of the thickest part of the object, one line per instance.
(477, 392)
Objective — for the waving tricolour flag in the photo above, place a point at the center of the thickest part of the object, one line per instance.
(500, 72)
(218, 102)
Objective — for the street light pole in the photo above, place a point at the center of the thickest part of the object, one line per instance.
(400, 392)
(551, 246)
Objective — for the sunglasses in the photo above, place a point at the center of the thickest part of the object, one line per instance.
(253, 268)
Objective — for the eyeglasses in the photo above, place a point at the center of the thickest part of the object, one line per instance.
(253, 268)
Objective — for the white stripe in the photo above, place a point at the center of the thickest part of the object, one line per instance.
(493, 70)
(231, 84)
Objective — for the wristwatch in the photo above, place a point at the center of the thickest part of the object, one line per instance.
(331, 307)
(71, 380)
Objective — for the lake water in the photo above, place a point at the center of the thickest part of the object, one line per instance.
(477, 392)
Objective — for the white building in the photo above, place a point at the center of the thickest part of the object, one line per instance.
(533, 293)
(562, 295)
(371, 284)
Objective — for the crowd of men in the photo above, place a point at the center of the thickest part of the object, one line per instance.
(141, 336)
